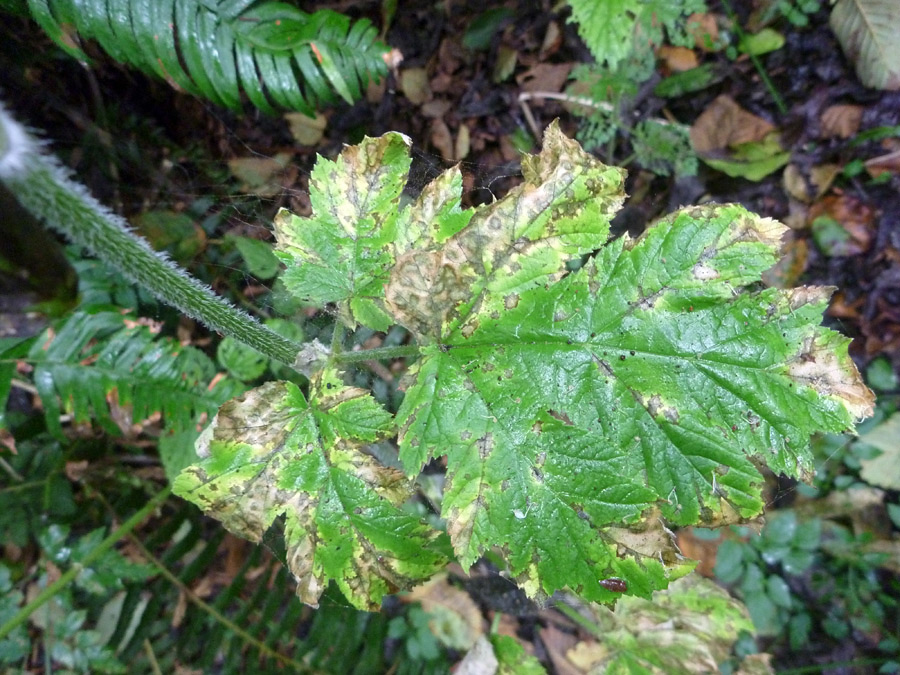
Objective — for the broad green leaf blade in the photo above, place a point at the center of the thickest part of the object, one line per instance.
(869, 33)
(274, 26)
(607, 28)
(188, 25)
(652, 378)
(214, 49)
(342, 253)
(562, 210)
(250, 80)
(165, 54)
(269, 453)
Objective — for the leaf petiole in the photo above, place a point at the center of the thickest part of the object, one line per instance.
(378, 354)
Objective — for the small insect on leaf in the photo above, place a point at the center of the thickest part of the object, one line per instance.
(614, 584)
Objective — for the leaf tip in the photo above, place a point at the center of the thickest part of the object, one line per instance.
(827, 367)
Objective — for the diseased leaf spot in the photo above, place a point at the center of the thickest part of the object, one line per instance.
(704, 273)
(469, 329)
(561, 416)
(485, 445)
(511, 301)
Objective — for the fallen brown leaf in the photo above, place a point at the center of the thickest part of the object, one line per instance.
(701, 550)
(437, 107)
(856, 217)
(841, 121)
(725, 124)
(550, 77)
(884, 163)
(462, 145)
(705, 30)
(553, 39)
(414, 85)
(677, 59)
(808, 188)
(558, 645)
(8, 441)
(441, 138)
(306, 130)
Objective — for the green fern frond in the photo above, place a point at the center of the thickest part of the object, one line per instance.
(278, 55)
(93, 361)
(612, 29)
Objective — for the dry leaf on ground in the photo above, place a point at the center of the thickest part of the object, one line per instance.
(725, 124)
(677, 59)
(414, 84)
(841, 121)
(545, 77)
(306, 130)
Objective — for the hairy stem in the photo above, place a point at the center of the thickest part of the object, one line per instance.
(41, 185)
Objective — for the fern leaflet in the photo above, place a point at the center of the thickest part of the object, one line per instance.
(95, 361)
(278, 55)
(612, 29)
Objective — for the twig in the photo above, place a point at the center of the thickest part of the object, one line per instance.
(205, 607)
(7, 467)
(739, 31)
(151, 656)
(214, 613)
(526, 96)
(69, 575)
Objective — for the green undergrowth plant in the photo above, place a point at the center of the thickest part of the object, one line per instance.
(604, 99)
(806, 581)
(581, 414)
(276, 54)
(821, 570)
(621, 36)
(615, 30)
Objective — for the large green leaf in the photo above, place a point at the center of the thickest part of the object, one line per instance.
(270, 453)
(579, 412)
(656, 377)
(869, 33)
